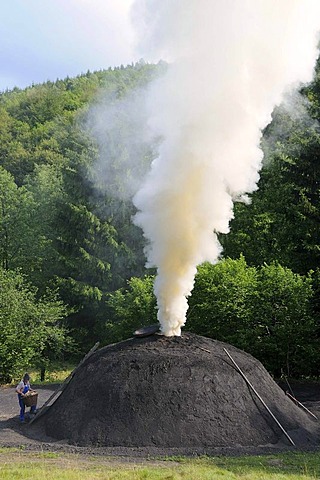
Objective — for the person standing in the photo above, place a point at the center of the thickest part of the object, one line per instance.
(22, 388)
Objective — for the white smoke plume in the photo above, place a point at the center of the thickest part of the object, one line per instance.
(118, 126)
(230, 61)
(292, 115)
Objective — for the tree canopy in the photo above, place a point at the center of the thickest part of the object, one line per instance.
(56, 226)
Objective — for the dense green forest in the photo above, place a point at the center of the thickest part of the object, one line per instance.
(72, 264)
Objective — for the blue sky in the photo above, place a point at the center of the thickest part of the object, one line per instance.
(44, 40)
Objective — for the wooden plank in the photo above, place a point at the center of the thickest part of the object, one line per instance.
(301, 405)
(261, 400)
(58, 392)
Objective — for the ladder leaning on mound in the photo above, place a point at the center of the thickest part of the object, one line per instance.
(42, 410)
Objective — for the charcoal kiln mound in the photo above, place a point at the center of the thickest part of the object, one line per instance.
(174, 392)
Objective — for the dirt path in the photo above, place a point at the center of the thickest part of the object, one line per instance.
(13, 434)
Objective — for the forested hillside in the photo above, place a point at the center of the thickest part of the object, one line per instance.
(56, 229)
(282, 221)
(72, 264)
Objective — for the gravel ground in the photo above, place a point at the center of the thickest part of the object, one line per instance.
(13, 434)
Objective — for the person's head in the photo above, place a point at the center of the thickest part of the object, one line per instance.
(26, 377)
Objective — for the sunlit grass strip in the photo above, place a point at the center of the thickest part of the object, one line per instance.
(55, 373)
(298, 464)
(295, 463)
(120, 472)
(59, 466)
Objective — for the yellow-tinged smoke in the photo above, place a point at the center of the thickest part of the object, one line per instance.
(230, 63)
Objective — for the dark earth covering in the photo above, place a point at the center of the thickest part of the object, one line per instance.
(174, 392)
(159, 396)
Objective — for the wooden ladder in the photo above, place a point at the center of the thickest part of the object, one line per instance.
(45, 407)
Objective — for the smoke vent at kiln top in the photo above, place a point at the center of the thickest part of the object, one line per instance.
(174, 392)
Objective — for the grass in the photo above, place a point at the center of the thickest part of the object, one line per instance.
(55, 373)
(25, 465)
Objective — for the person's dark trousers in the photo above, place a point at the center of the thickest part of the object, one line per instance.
(22, 407)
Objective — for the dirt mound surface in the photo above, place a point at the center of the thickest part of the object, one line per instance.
(174, 392)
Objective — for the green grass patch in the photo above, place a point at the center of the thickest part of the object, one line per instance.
(4, 450)
(56, 372)
(293, 465)
(61, 466)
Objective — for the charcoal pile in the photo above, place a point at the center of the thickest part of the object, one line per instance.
(175, 392)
